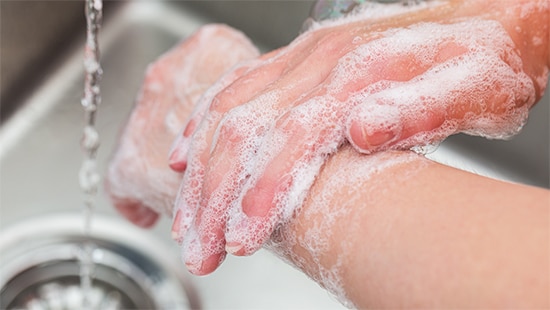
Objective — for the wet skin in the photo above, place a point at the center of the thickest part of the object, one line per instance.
(210, 146)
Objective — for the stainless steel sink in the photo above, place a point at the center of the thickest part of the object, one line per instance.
(40, 154)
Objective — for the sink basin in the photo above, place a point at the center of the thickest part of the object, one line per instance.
(40, 154)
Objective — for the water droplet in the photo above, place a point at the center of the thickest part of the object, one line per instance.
(425, 149)
(88, 176)
(90, 139)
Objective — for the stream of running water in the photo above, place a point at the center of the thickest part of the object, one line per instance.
(89, 177)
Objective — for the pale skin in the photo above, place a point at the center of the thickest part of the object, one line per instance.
(486, 248)
(447, 239)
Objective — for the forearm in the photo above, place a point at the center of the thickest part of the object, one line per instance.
(421, 234)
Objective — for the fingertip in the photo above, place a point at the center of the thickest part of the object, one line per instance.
(189, 128)
(207, 266)
(177, 165)
(201, 258)
(235, 248)
(177, 160)
(357, 136)
(177, 156)
(148, 220)
(247, 235)
(236, 229)
(137, 213)
(212, 263)
(367, 142)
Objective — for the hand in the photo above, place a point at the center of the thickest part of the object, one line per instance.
(391, 83)
(138, 180)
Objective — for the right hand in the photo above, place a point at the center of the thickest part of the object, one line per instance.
(381, 84)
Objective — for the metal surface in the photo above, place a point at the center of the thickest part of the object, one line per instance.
(40, 153)
(41, 257)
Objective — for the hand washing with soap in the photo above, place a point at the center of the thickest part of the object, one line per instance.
(306, 151)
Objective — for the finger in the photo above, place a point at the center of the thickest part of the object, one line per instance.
(489, 98)
(229, 168)
(288, 161)
(198, 259)
(240, 91)
(378, 124)
(440, 49)
(136, 212)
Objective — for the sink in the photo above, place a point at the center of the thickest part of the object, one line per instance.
(40, 154)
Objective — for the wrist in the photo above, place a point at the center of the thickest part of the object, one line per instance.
(322, 239)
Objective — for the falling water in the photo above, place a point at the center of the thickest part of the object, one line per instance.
(89, 177)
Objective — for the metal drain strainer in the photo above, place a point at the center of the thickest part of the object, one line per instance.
(39, 267)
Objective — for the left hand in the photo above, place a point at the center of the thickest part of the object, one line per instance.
(138, 180)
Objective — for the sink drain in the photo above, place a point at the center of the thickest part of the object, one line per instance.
(40, 269)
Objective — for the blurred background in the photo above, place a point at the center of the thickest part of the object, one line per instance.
(41, 81)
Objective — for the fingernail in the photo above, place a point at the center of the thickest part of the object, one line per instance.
(147, 219)
(194, 267)
(234, 248)
(206, 266)
(373, 125)
(177, 161)
(368, 140)
(245, 237)
(176, 225)
(378, 138)
(177, 156)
